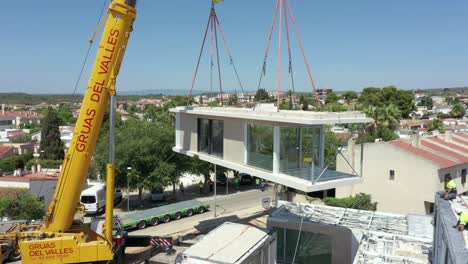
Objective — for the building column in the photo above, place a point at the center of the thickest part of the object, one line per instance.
(178, 142)
(276, 149)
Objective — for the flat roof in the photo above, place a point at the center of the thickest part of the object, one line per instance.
(384, 237)
(283, 116)
(227, 243)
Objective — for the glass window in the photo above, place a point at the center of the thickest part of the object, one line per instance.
(260, 146)
(312, 247)
(463, 176)
(203, 135)
(299, 150)
(217, 137)
(210, 136)
(88, 199)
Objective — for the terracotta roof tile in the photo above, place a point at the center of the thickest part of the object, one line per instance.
(448, 144)
(441, 161)
(4, 150)
(449, 153)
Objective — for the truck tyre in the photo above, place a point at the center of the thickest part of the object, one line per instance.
(141, 225)
(166, 218)
(177, 216)
(189, 212)
(154, 221)
(201, 210)
(14, 256)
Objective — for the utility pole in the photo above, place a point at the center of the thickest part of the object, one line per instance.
(128, 188)
(215, 190)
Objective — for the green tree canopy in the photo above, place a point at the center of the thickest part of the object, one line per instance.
(361, 201)
(438, 125)
(457, 111)
(51, 145)
(20, 204)
(146, 147)
(377, 97)
(386, 120)
(262, 95)
(331, 98)
(427, 102)
(233, 100)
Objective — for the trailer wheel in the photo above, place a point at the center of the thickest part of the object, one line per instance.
(201, 210)
(166, 218)
(14, 256)
(189, 212)
(141, 225)
(178, 216)
(154, 221)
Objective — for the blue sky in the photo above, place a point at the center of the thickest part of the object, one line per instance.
(350, 44)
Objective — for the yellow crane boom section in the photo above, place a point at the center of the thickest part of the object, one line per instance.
(101, 86)
(58, 241)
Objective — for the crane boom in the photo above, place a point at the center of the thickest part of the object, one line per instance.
(101, 86)
(58, 241)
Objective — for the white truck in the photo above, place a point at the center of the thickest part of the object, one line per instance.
(94, 198)
(232, 243)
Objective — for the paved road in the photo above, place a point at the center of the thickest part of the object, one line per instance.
(229, 208)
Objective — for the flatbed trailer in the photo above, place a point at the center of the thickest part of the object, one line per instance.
(163, 214)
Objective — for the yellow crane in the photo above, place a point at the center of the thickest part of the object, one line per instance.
(59, 240)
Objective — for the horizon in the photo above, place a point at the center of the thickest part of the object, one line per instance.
(387, 44)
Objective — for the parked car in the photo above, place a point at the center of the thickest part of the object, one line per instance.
(221, 179)
(246, 179)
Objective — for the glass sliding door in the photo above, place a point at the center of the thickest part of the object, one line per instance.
(260, 146)
(210, 136)
(217, 138)
(299, 151)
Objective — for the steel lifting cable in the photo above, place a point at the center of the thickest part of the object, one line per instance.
(199, 57)
(289, 47)
(272, 27)
(293, 19)
(211, 54)
(228, 49)
(219, 66)
(90, 44)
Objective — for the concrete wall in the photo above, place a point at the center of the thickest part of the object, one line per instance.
(416, 179)
(45, 189)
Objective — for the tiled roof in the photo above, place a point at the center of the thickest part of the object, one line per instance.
(4, 150)
(444, 154)
(441, 161)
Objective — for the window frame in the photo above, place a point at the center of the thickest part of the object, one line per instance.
(210, 148)
(391, 175)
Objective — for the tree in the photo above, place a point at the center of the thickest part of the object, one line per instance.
(386, 120)
(376, 97)
(427, 102)
(303, 103)
(204, 168)
(458, 110)
(20, 204)
(51, 145)
(65, 115)
(349, 96)
(146, 147)
(361, 201)
(438, 125)
(261, 95)
(233, 100)
(331, 98)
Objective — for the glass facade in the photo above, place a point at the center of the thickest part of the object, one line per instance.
(300, 150)
(210, 136)
(312, 247)
(260, 146)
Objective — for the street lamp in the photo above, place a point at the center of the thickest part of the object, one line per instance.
(128, 188)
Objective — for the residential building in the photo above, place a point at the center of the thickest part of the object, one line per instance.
(41, 184)
(21, 148)
(450, 245)
(66, 135)
(313, 233)
(403, 175)
(285, 147)
(13, 119)
(6, 151)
